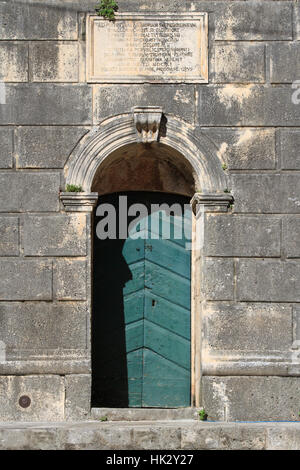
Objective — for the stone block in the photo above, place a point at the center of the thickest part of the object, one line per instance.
(178, 100)
(248, 21)
(166, 6)
(9, 236)
(283, 437)
(98, 438)
(42, 326)
(210, 437)
(251, 398)
(46, 147)
(69, 279)
(291, 237)
(275, 194)
(21, 438)
(296, 325)
(218, 279)
(46, 395)
(268, 281)
(60, 235)
(29, 192)
(6, 149)
(247, 148)
(78, 392)
(13, 61)
(297, 21)
(145, 414)
(247, 105)
(239, 63)
(25, 279)
(104, 436)
(36, 21)
(54, 62)
(290, 148)
(158, 437)
(227, 235)
(46, 103)
(246, 327)
(284, 62)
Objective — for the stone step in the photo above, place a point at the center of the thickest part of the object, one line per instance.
(144, 414)
(157, 435)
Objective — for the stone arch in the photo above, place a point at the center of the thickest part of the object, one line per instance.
(139, 167)
(120, 131)
(195, 153)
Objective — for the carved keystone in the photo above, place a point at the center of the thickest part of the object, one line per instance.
(147, 123)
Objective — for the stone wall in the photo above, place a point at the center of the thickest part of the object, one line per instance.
(251, 275)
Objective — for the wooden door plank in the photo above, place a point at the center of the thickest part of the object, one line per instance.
(169, 256)
(168, 315)
(137, 281)
(172, 347)
(135, 378)
(134, 306)
(167, 284)
(164, 383)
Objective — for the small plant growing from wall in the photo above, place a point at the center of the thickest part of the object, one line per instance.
(72, 188)
(107, 9)
(202, 414)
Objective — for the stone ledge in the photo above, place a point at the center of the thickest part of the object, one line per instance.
(159, 435)
(144, 414)
(211, 202)
(79, 202)
(49, 366)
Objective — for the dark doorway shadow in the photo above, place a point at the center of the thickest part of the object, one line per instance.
(109, 364)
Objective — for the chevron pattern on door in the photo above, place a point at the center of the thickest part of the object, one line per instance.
(156, 303)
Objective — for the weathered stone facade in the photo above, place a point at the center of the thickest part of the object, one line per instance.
(241, 130)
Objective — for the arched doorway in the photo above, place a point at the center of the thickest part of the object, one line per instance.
(110, 159)
(141, 315)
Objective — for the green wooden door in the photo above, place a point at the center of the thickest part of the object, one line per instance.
(154, 368)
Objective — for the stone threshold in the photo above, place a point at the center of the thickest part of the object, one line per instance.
(144, 414)
(157, 435)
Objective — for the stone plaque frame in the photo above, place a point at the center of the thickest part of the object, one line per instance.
(201, 60)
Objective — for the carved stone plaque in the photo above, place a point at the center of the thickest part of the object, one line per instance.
(153, 48)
